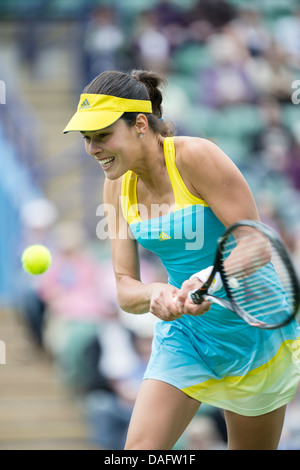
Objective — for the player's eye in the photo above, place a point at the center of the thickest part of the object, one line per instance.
(102, 136)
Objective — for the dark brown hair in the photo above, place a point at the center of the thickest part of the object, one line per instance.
(138, 85)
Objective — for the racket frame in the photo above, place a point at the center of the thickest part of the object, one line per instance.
(197, 296)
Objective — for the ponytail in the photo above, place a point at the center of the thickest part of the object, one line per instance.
(153, 81)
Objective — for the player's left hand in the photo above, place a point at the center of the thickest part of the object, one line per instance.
(184, 305)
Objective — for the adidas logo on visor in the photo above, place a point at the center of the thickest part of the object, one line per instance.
(85, 104)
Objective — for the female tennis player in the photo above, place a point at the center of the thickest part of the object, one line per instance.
(175, 196)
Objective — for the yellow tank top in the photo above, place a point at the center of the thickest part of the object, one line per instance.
(183, 198)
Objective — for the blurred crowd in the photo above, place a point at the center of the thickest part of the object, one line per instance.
(230, 73)
(72, 315)
(230, 68)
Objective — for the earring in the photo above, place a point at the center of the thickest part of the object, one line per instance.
(141, 136)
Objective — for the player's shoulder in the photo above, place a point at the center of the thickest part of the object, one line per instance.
(191, 150)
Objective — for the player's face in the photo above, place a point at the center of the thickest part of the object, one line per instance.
(113, 147)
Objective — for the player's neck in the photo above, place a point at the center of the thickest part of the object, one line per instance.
(151, 164)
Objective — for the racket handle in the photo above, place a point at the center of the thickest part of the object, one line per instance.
(196, 296)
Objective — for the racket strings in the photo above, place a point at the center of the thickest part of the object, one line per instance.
(257, 277)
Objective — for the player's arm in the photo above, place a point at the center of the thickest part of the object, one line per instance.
(211, 175)
(124, 252)
(133, 296)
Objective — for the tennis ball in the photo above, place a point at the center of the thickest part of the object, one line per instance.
(36, 259)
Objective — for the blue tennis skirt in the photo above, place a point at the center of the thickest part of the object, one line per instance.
(218, 359)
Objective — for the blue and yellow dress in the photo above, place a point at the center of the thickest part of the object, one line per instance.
(215, 358)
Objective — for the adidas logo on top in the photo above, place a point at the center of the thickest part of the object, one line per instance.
(85, 104)
(164, 236)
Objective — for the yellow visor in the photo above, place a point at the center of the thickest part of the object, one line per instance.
(99, 111)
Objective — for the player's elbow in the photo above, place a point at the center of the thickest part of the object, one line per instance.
(125, 303)
(130, 297)
(128, 304)
(123, 296)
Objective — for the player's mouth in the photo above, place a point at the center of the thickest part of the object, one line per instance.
(106, 162)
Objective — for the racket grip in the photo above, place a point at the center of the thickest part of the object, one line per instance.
(196, 296)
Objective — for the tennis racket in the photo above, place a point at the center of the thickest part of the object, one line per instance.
(259, 281)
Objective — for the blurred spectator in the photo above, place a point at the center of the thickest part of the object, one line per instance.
(225, 81)
(268, 171)
(172, 22)
(177, 107)
(168, 13)
(276, 151)
(270, 74)
(250, 29)
(150, 45)
(28, 33)
(281, 74)
(274, 142)
(38, 217)
(290, 439)
(124, 355)
(208, 17)
(124, 350)
(103, 42)
(287, 35)
(79, 294)
(293, 165)
(203, 433)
